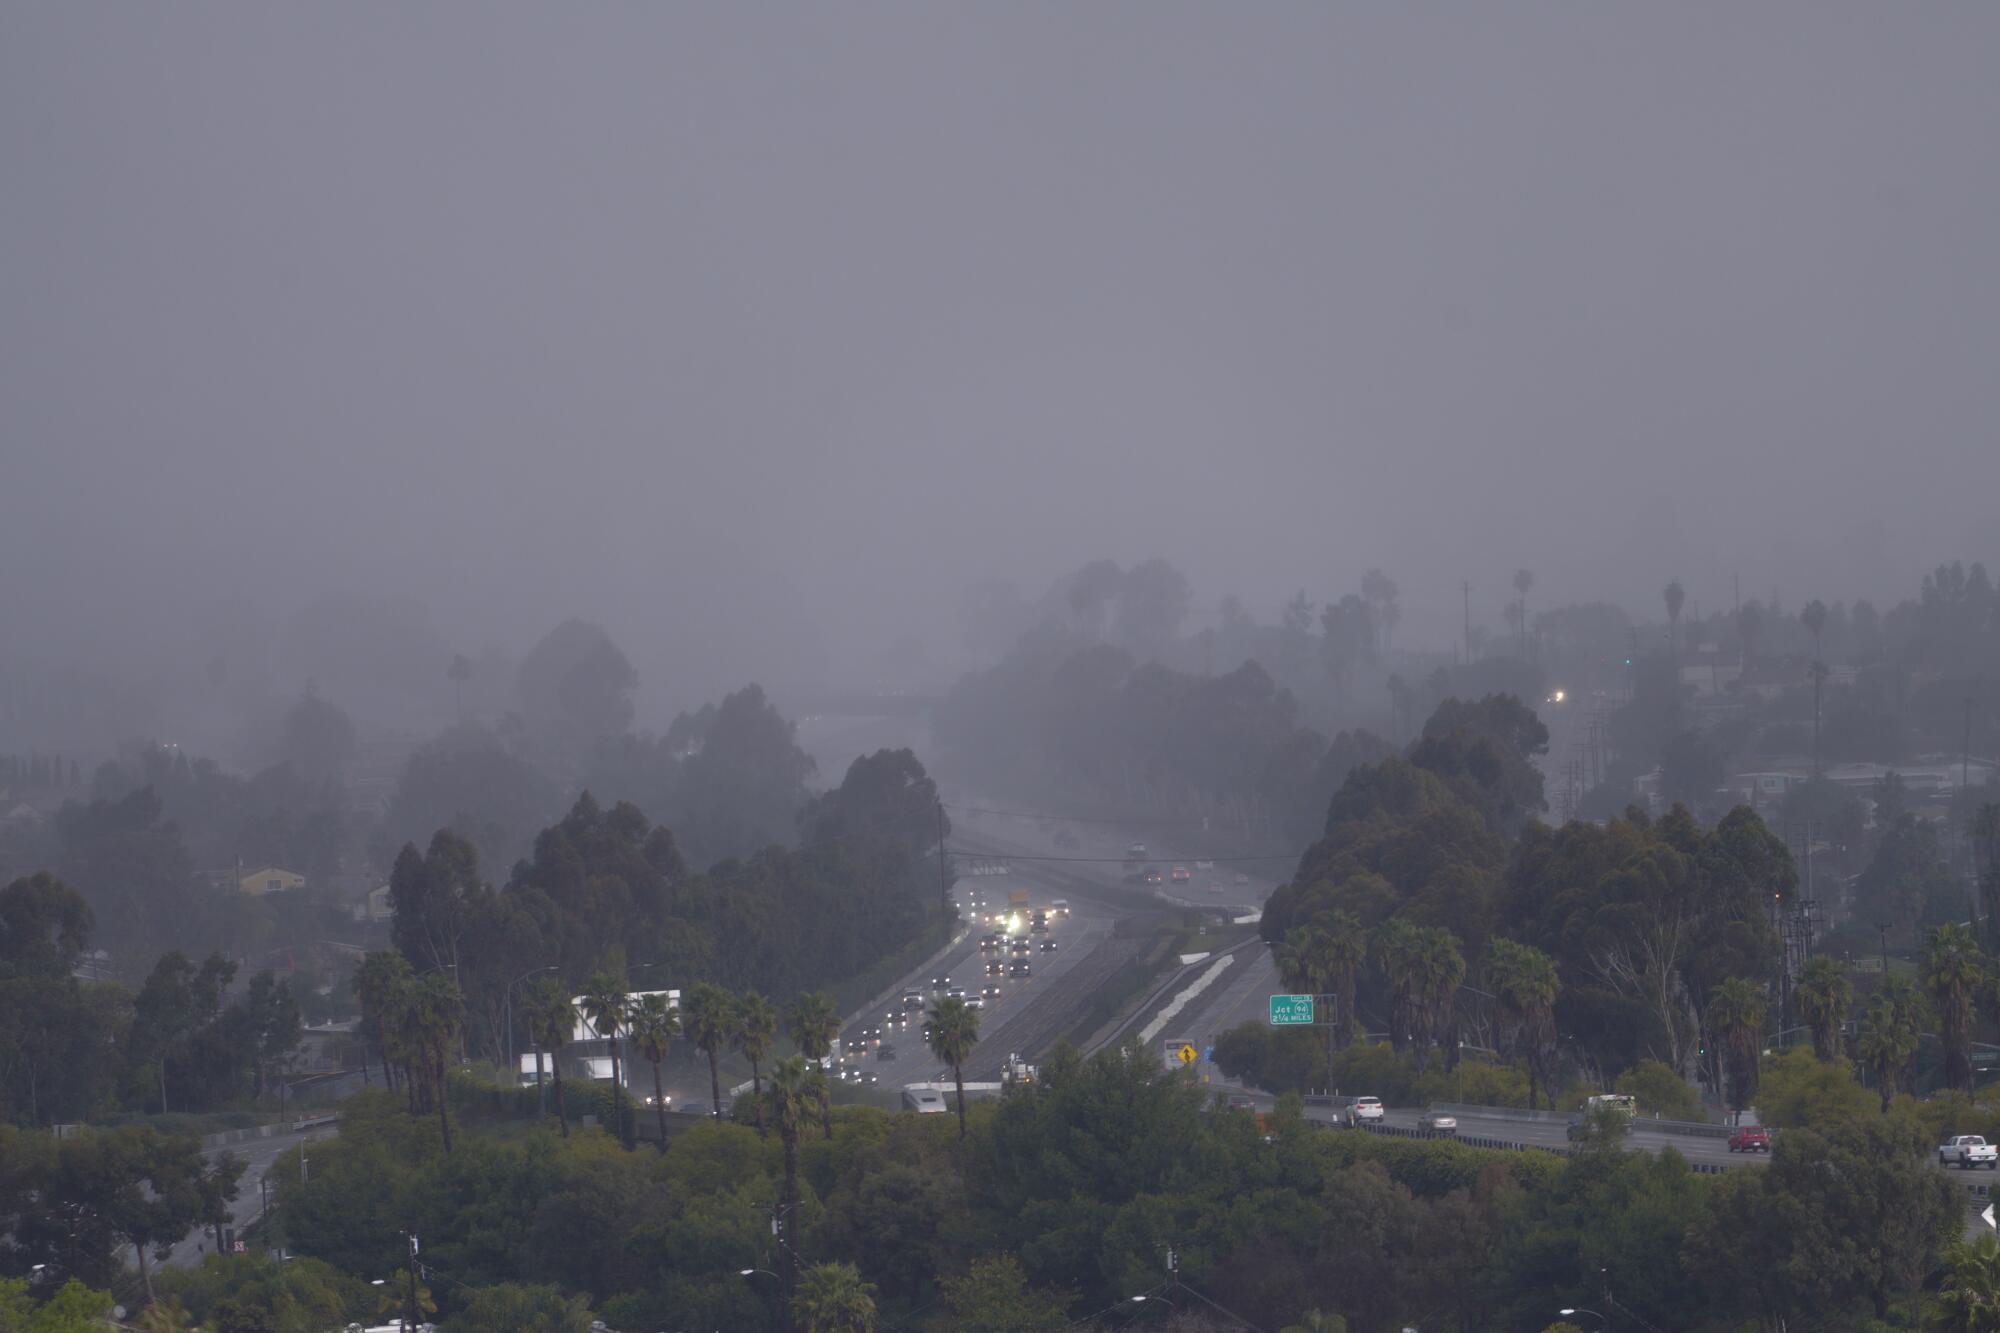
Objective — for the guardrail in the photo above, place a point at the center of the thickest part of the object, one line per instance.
(1689, 1128)
(1507, 1145)
(298, 1126)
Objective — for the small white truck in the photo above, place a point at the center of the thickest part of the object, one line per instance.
(1968, 1151)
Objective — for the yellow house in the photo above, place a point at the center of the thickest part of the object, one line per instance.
(271, 880)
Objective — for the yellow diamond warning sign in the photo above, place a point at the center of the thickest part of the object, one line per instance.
(1187, 1055)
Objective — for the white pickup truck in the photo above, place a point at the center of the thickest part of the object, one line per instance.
(1968, 1151)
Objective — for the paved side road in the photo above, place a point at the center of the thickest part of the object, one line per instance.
(259, 1155)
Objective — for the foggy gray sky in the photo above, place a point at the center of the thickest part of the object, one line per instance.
(718, 323)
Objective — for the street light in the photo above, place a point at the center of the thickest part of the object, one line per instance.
(1592, 1313)
(746, 1272)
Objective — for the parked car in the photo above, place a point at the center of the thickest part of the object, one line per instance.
(1365, 1111)
(1968, 1151)
(1437, 1122)
(1750, 1138)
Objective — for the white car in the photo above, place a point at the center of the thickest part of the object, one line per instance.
(1437, 1122)
(1365, 1111)
(1968, 1151)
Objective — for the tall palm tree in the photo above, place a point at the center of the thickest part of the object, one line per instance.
(551, 1020)
(653, 1024)
(1824, 997)
(1441, 968)
(1969, 1299)
(1293, 957)
(434, 1019)
(1523, 580)
(1736, 1013)
(1340, 947)
(791, 1102)
(832, 1298)
(1888, 1044)
(814, 1024)
(1395, 947)
(1954, 972)
(951, 1031)
(1526, 983)
(378, 982)
(606, 1007)
(1984, 829)
(707, 1019)
(756, 1026)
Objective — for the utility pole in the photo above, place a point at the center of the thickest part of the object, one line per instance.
(1883, 926)
(1467, 588)
(414, 1317)
(944, 866)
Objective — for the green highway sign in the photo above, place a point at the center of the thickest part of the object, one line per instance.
(1291, 1010)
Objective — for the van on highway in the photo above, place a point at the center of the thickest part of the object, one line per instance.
(924, 1101)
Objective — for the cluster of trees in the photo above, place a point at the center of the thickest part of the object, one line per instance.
(1621, 936)
(72, 1050)
(69, 1206)
(609, 891)
(1059, 1203)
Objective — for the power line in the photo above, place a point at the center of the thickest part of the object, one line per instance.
(1068, 819)
(1118, 860)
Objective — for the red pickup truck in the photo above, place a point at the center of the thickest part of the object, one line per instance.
(1750, 1138)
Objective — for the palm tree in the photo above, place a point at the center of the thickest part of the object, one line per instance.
(551, 1020)
(606, 1007)
(1984, 829)
(1954, 972)
(1523, 580)
(654, 1024)
(1824, 997)
(1526, 983)
(1293, 957)
(1676, 597)
(1736, 1013)
(832, 1298)
(756, 1026)
(1396, 945)
(432, 1023)
(951, 1031)
(1340, 947)
(1440, 972)
(814, 1024)
(1969, 1299)
(791, 1100)
(707, 1019)
(1888, 1044)
(378, 983)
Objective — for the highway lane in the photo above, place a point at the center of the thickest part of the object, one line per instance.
(1003, 1023)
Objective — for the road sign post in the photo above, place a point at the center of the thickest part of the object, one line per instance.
(1291, 1011)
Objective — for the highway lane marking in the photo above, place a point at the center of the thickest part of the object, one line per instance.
(1180, 1001)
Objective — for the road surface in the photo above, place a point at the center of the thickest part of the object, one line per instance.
(258, 1155)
